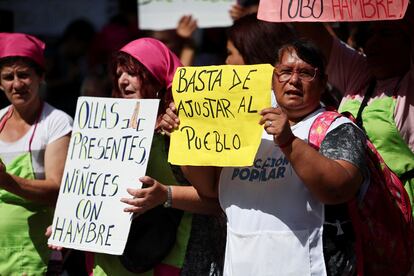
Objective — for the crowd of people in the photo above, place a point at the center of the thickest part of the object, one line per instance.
(296, 224)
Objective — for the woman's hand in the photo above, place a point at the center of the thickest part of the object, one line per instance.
(170, 120)
(237, 11)
(151, 195)
(186, 26)
(276, 123)
(48, 233)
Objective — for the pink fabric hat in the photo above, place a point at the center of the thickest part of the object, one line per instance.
(22, 45)
(156, 57)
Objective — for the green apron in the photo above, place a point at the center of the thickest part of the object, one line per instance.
(379, 124)
(23, 244)
(159, 169)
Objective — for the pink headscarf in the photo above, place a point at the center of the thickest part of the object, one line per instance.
(22, 45)
(156, 57)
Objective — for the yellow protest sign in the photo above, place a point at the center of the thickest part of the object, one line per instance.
(218, 109)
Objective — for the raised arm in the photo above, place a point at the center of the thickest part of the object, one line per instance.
(43, 191)
(237, 11)
(318, 34)
(185, 29)
(409, 25)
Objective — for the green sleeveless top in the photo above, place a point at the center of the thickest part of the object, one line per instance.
(380, 127)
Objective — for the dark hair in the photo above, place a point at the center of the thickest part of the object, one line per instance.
(308, 52)
(9, 61)
(259, 41)
(151, 88)
(359, 32)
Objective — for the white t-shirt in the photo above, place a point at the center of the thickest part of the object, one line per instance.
(53, 124)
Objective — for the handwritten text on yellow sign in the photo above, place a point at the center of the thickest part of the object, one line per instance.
(218, 109)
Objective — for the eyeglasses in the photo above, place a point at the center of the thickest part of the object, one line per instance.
(284, 73)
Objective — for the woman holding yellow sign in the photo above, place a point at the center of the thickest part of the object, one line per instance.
(280, 216)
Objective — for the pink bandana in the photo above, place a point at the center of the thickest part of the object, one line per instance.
(22, 45)
(156, 57)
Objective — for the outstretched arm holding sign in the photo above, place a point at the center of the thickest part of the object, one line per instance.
(154, 193)
(389, 43)
(388, 64)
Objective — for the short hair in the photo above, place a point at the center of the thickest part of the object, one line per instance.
(9, 61)
(259, 41)
(308, 52)
(136, 68)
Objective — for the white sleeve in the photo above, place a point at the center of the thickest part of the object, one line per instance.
(58, 125)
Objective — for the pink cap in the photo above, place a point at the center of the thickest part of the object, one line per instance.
(156, 57)
(22, 45)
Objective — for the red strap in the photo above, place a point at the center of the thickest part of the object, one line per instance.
(166, 270)
(89, 262)
(320, 126)
(6, 117)
(9, 114)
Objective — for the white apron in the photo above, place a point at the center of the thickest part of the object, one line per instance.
(274, 223)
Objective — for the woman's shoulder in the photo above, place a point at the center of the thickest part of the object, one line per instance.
(4, 110)
(55, 122)
(51, 113)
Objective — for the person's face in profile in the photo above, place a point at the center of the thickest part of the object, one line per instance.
(20, 82)
(129, 84)
(233, 55)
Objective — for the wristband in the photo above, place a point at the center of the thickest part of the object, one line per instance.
(168, 202)
(288, 142)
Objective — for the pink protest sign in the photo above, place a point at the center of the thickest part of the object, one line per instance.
(331, 10)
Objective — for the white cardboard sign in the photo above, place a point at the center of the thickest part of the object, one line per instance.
(165, 14)
(108, 152)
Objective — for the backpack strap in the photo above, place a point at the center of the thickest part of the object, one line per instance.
(367, 96)
(320, 127)
(407, 176)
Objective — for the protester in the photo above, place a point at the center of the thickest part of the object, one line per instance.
(388, 63)
(117, 33)
(144, 69)
(252, 41)
(34, 138)
(275, 222)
